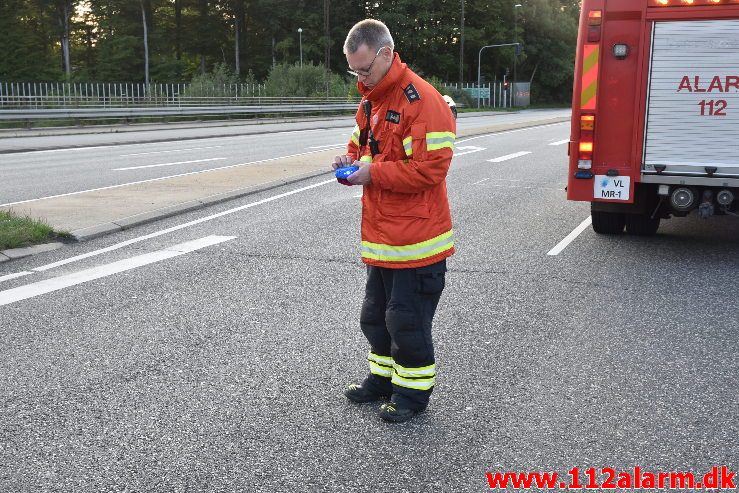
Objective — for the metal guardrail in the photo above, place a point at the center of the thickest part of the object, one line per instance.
(28, 95)
(163, 111)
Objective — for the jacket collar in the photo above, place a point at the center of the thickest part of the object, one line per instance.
(393, 76)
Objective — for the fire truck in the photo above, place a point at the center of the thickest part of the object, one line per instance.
(655, 112)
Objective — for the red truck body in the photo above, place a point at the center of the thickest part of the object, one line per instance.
(655, 111)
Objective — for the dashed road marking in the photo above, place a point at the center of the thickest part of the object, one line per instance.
(171, 164)
(508, 156)
(55, 284)
(470, 150)
(171, 150)
(559, 142)
(570, 237)
(329, 146)
(505, 132)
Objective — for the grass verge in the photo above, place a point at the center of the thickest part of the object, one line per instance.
(17, 231)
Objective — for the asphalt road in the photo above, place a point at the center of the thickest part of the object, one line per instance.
(67, 163)
(160, 364)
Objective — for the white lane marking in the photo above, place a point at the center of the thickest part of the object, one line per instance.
(171, 150)
(157, 179)
(559, 142)
(484, 179)
(176, 228)
(508, 156)
(570, 237)
(330, 146)
(470, 151)
(493, 134)
(164, 142)
(48, 285)
(170, 164)
(14, 276)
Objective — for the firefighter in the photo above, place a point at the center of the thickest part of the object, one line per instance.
(403, 143)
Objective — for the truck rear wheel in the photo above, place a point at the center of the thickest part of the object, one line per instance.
(641, 224)
(608, 223)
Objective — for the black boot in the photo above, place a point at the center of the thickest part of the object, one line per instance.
(357, 393)
(392, 412)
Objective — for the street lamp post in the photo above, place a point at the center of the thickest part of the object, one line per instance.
(300, 37)
(479, 58)
(515, 54)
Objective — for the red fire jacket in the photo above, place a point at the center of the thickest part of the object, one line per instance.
(406, 221)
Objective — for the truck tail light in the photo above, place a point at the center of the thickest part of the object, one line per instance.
(595, 18)
(585, 150)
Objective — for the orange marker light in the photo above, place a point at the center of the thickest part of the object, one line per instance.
(595, 17)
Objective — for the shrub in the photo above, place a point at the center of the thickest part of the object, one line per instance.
(218, 83)
(312, 81)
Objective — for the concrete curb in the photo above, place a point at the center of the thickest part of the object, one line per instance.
(16, 253)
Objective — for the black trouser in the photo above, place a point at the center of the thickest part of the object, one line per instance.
(397, 312)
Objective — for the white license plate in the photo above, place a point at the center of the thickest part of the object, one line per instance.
(611, 187)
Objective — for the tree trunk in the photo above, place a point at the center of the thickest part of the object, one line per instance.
(178, 29)
(146, 44)
(237, 54)
(65, 13)
(533, 73)
(202, 32)
(461, 47)
(237, 13)
(327, 29)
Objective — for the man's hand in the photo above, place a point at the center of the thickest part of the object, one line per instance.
(341, 161)
(362, 176)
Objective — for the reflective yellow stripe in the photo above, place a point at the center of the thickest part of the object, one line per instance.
(383, 360)
(417, 251)
(355, 135)
(408, 146)
(380, 370)
(439, 140)
(418, 384)
(365, 159)
(423, 371)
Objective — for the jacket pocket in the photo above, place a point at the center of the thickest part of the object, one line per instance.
(398, 204)
(418, 134)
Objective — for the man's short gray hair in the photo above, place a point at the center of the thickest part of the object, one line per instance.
(371, 32)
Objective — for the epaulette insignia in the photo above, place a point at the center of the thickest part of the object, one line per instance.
(392, 116)
(411, 93)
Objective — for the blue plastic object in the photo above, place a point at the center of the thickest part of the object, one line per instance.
(343, 173)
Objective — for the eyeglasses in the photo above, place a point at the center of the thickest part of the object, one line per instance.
(366, 72)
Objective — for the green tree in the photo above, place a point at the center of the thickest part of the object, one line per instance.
(28, 38)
